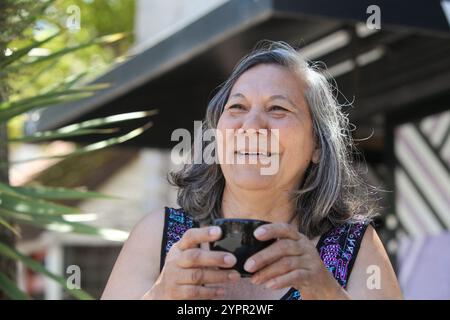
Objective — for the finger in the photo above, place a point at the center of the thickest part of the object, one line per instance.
(196, 258)
(278, 268)
(287, 280)
(194, 292)
(195, 236)
(274, 252)
(277, 231)
(207, 276)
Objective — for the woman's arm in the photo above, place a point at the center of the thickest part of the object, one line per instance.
(371, 262)
(137, 266)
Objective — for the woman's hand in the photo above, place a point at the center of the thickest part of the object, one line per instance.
(188, 268)
(292, 261)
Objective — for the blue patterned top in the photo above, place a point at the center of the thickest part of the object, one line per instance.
(337, 247)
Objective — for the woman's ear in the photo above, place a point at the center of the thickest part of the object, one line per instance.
(316, 156)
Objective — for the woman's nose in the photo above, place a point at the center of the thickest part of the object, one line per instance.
(254, 120)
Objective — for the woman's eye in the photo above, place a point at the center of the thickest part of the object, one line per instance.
(277, 108)
(236, 106)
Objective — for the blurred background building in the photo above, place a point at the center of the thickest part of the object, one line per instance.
(397, 77)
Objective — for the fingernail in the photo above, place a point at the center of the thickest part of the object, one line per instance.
(229, 259)
(234, 276)
(270, 284)
(260, 231)
(255, 280)
(249, 265)
(214, 231)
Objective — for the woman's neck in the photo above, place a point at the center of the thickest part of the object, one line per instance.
(269, 205)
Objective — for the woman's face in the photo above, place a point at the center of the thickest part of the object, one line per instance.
(268, 97)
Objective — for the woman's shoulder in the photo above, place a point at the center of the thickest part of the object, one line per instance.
(137, 265)
(354, 248)
(348, 232)
(139, 261)
(373, 268)
(149, 228)
(156, 222)
(147, 233)
(158, 227)
(339, 247)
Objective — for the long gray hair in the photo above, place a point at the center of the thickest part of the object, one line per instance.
(332, 192)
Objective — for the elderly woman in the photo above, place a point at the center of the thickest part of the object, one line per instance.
(316, 202)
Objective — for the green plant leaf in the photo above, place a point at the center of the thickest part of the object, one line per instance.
(69, 82)
(37, 267)
(52, 193)
(24, 204)
(108, 39)
(10, 110)
(24, 51)
(10, 289)
(50, 66)
(33, 15)
(10, 227)
(7, 188)
(108, 120)
(94, 146)
(59, 224)
(7, 105)
(54, 135)
(83, 128)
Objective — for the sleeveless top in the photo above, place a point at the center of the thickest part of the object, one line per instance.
(338, 247)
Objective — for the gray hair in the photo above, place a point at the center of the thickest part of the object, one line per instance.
(332, 192)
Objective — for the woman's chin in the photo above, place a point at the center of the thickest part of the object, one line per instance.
(252, 179)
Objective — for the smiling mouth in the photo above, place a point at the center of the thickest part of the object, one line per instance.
(250, 153)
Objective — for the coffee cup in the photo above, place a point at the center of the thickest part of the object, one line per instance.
(238, 239)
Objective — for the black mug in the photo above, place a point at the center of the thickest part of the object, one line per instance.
(238, 239)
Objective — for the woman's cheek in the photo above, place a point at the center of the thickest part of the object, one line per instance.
(296, 147)
(224, 144)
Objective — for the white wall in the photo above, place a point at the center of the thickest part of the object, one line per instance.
(157, 19)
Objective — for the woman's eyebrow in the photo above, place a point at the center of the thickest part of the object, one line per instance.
(282, 97)
(274, 97)
(238, 95)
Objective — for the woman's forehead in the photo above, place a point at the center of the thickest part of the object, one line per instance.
(268, 80)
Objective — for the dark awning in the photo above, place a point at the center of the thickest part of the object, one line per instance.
(403, 64)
